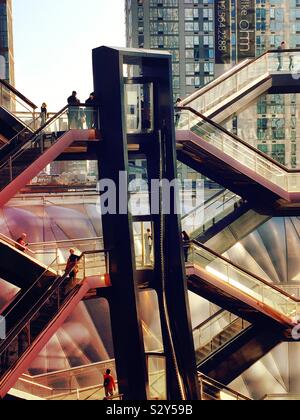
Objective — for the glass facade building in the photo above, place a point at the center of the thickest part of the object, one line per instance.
(6, 42)
(206, 37)
(193, 31)
(185, 28)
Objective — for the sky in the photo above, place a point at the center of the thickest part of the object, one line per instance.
(53, 41)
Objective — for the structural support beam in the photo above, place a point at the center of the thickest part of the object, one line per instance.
(117, 229)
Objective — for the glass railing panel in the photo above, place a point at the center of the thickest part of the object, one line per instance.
(157, 375)
(93, 264)
(261, 292)
(48, 251)
(43, 140)
(79, 383)
(29, 119)
(19, 334)
(294, 182)
(281, 61)
(96, 393)
(291, 289)
(23, 301)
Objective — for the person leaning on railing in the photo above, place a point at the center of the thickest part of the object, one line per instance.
(91, 114)
(73, 113)
(177, 111)
(72, 267)
(186, 245)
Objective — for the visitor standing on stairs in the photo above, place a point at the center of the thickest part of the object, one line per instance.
(44, 114)
(186, 245)
(280, 55)
(109, 384)
(72, 267)
(73, 113)
(90, 112)
(148, 247)
(21, 243)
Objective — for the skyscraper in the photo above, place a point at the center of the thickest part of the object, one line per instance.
(206, 36)
(6, 42)
(184, 28)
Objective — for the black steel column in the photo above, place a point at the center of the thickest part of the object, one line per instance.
(117, 229)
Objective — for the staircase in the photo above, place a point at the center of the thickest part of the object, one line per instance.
(226, 345)
(245, 82)
(239, 291)
(218, 154)
(219, 340)
(29, 159)
(34, 319)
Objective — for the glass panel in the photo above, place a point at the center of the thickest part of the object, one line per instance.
(157, 378)
(139, 108)
(143, 243)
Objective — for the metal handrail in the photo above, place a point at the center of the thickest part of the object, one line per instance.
(17, 93)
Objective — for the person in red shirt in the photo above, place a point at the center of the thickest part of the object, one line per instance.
(109, 384)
